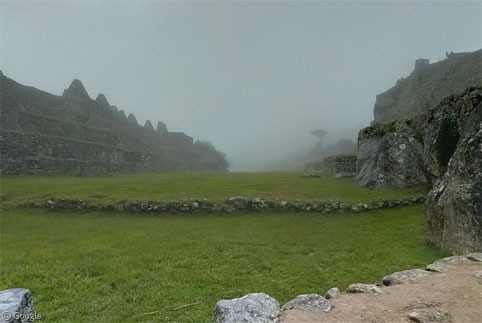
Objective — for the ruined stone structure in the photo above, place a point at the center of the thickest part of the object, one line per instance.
(336, 164)
(427, 85)
(42, 133)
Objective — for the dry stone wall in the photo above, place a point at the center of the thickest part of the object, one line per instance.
(42, 133)
(427, 85)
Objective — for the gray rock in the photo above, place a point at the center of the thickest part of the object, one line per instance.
(312, 302)
(363, 288)
(437, 267)
(393, 159)
(405, 277)
(453, 209)
(475, 256)
(16, 305)
(430, 315)
(252, 308)
(333, 293)
(453, 260)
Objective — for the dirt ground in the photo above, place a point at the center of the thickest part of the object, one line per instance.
(454, 296)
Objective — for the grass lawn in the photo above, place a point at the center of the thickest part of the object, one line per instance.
(215, 187)
(96, 267)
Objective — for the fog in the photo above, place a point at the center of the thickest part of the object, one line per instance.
(254, 78)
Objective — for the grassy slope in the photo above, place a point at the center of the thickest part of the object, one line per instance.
(87, 266)
(165, 186)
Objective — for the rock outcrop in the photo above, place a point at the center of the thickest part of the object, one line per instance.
(440, 146)
(42, 133)
(16, 305)
(453, 209)
(427, 85)
(390, 157)
(417, 151)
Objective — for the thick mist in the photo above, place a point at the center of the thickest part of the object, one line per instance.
(254, 78)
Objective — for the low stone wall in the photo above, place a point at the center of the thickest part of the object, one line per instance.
(22, 153)
(230, 205)
(340, 164)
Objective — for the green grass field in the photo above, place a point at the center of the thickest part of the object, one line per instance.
(107, 267)
(85, 266)
(215, 187)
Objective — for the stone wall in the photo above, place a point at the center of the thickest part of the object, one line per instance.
(427, 85)
(344, 163)
(341, 165)
(43, 133)
(231, 204)
(40, 154)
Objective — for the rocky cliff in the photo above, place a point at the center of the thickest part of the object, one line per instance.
(441, 146)
(427, 85)
(42, 133)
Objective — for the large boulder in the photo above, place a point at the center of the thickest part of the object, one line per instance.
(252, 308)
(453, 212)
(16, 305)
(390, 156)
(440, 146)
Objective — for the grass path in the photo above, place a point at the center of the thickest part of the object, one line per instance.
(106, 267)
(215, 187)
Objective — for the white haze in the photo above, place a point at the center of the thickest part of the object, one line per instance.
(254, 78)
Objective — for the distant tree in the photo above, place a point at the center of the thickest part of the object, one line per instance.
(319, 134)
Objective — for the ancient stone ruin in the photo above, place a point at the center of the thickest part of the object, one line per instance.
(340, 165)
(42, 133)
(427, 85)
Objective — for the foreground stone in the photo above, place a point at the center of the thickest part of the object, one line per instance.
(333, 293)
(16, 305)
(475, 256)
(405, 277)
(313, 302)
(430, 315)
(453, 260)
(363, 288)
(437, 267)
(252, 308)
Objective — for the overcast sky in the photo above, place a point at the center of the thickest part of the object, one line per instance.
(254, 78)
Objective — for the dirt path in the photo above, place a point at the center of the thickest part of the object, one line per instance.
(453, 296)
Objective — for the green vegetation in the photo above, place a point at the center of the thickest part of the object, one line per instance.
(215, 187)
(106, 267)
